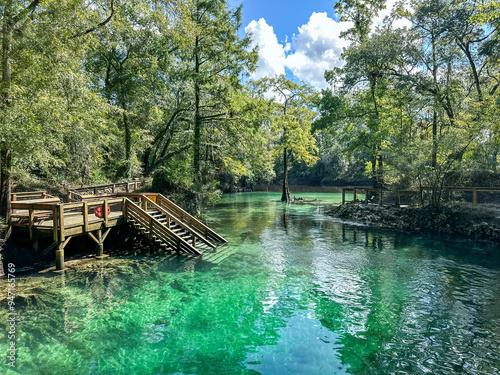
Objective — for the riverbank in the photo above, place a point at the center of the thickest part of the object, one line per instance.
(473, 221)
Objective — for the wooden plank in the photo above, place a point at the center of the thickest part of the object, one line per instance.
(36, 206)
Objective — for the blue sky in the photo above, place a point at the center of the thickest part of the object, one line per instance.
(284, 15)
(299, 38)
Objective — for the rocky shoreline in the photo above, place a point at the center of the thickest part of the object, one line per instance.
(472, 221)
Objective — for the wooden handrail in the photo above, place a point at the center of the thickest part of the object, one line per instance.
(157, 229)
(76, 194)
(179, 222)
(185, 217)
(399, 192)
(30, 194)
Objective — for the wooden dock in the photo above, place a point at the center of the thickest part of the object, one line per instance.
(398, 193)
(95, 211)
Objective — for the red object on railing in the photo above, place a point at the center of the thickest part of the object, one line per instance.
(98, 211)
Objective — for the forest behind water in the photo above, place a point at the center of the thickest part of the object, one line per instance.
(109, 90)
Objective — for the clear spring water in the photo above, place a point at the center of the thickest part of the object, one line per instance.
(295, 292)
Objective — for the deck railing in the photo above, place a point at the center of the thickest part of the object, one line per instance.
(91, 192)
(67, 218)
(398, 193)
(29, 195)
(186, 218)
(157, 229)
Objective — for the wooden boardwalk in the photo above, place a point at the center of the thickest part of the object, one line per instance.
(162, 222)
(397, 194)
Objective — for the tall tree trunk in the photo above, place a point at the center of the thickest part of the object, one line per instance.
(126, 126)
(5, 167)
(285, 197)
(197, 116)
(434, 138)
(5, 152)
(380, 168)
(434, 114)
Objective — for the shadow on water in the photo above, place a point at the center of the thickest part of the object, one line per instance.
(295, 292)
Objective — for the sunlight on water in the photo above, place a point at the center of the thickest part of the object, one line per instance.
(295, 292)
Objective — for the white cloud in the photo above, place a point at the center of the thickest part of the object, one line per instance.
(271, 52)
(389, 5)
(317, 47)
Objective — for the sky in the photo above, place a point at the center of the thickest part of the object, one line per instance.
(299, 38)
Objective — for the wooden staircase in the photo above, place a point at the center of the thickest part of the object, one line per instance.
(169, 226)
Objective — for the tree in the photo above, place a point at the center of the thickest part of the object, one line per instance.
(292, 120)
(39, 45)
(218, 59)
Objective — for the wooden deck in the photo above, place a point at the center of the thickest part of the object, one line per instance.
(398, 193)
(158, 219)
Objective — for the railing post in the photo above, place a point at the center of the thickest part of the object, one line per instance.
(31, 221)
(105, 212)
(114, 188)
(474, 196)
(343, 195)
(54, 223)
(62, 236)
(354, 196)
(380, 198)
(125, 209)
(85, 212)
(398, 198)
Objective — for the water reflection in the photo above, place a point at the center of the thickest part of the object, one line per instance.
(295, 292)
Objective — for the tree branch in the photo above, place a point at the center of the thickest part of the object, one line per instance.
(30, 8)
(103, 23)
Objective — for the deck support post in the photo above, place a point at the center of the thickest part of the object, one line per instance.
(100, 244)
(36, 245)
(60, 256)
(398, 198)
(343, 195)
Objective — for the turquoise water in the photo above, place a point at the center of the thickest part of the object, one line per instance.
(295, 292)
